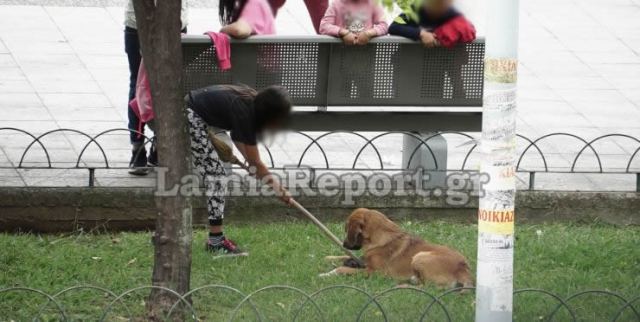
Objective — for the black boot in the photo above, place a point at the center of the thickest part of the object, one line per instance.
(152, 160)
(138, 161)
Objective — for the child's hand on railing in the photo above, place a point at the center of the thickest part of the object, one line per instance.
(364, 37)
(348, 38)
(428, 39)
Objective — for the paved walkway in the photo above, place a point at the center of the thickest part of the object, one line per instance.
(64, 67)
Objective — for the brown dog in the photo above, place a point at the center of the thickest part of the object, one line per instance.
(395, 253)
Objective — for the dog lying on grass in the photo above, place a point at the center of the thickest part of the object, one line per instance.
(393, 252)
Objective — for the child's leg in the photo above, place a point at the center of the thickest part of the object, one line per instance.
(138, 154)
(207, 164)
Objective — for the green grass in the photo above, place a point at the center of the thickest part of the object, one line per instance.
(560, 258)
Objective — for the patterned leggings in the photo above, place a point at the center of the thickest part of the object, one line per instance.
(207, 164)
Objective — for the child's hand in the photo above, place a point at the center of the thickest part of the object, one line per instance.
(428, 39)
(349, 39)
(285, 197)
(363, 38)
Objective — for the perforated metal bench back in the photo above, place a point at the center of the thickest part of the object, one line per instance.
(320, 71)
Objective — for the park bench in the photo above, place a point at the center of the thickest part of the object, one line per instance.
(392, 84)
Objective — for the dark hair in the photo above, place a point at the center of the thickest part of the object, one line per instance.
(229, 10)
(272, 106)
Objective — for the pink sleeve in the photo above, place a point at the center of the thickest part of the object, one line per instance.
(258, 14)
(379, 22)
(328, 23)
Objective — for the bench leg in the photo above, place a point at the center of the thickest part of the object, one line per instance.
(422, 158)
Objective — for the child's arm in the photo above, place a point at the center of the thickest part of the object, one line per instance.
(380, 26)
(239, 29)
(455, 31)
(328, 23)
(405, 27)
(252, 156)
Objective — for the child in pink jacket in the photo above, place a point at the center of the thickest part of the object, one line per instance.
(354, 21)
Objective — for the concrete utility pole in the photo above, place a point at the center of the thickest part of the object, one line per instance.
(494, 293)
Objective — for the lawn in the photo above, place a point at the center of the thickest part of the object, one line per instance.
(559, 258)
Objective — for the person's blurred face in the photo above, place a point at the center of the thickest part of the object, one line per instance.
(438, 7)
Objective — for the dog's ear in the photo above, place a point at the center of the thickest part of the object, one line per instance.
(354, 230)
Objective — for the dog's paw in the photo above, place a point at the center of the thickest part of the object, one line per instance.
(353, 263)
(329, 273)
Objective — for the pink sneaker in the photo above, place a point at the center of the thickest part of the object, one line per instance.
(227, 248)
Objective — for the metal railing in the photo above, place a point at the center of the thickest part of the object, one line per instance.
(345, 303)
(530, 149)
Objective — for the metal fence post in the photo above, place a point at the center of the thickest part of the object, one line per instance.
(92, 177)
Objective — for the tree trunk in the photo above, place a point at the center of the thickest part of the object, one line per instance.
(159, 28)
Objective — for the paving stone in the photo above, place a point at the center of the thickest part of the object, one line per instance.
(93, 127)
(11, 74)
(75, 100)
(577, 75)
(34, 127)
(128, 181)
(6, 60)
(15, 86)
(564, 182)
(20, 100)
(613, 182)
(25, 114)
(11, 181)
(27, 45)
(35, 157)
(85, 114)
(55, 177)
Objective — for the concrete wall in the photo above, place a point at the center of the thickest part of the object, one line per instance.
(67, 209)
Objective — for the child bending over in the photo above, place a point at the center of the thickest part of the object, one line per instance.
(246, 113)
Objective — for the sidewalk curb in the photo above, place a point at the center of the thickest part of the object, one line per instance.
(66, 209)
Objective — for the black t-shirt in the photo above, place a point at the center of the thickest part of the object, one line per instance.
(223, 108)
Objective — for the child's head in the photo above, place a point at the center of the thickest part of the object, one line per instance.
(229, 10)
(437, 8)
(273, 107)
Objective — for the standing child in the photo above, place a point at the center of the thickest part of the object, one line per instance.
(437, 24)
(139, 160)
(354, 21)
(243, 18)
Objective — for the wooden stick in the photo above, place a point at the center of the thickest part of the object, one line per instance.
(325, 230)
(225, 153)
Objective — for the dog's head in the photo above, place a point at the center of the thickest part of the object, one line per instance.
(365, 226)
(355, 230)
